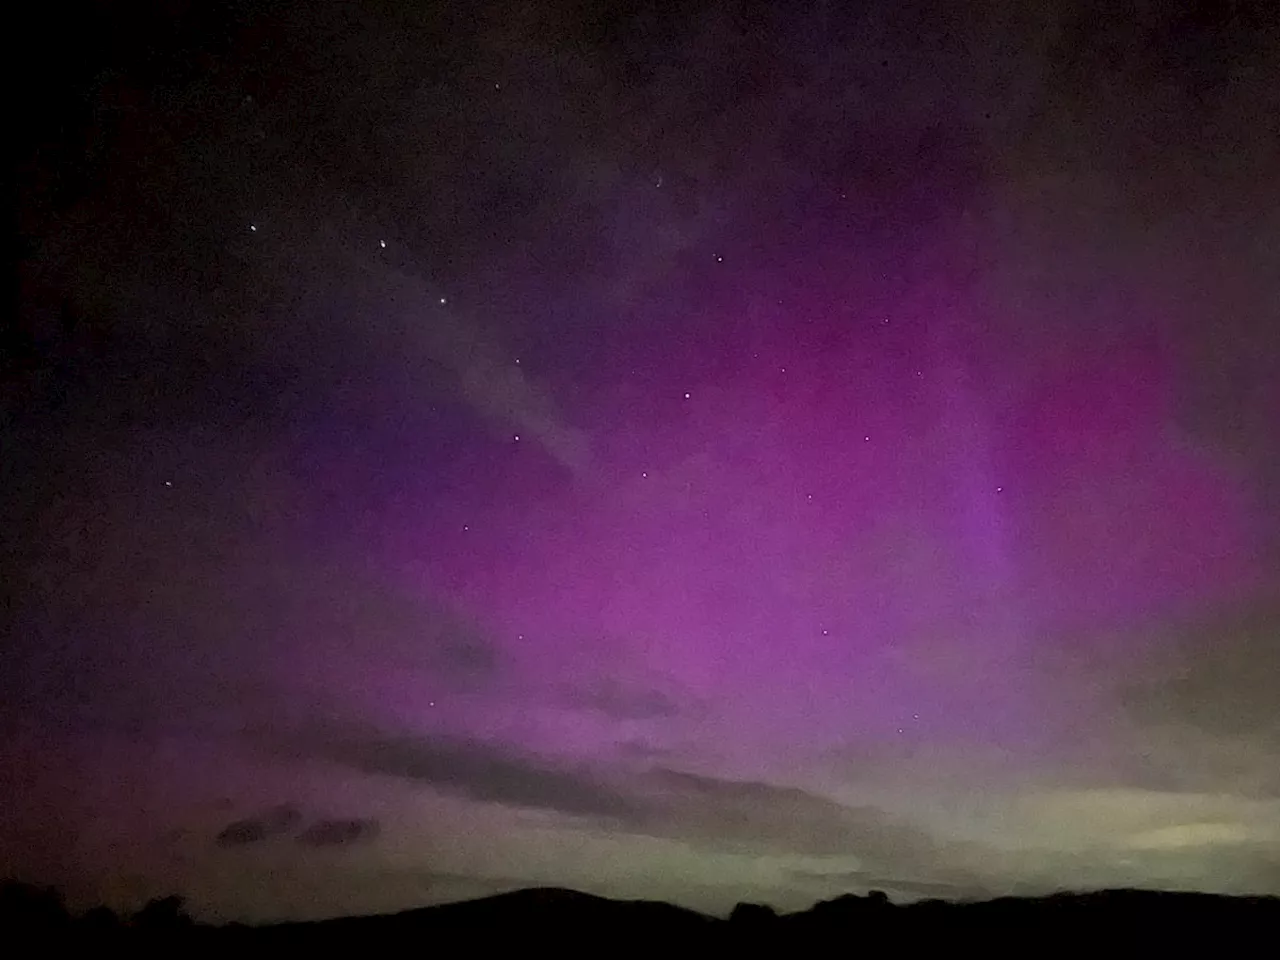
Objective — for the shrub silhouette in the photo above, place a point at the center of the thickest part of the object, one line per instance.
(164, 913)
(753, 915)
(100, 920)
(25, 907)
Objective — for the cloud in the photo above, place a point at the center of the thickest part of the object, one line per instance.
(252, 830)
(1220, 677)
(255, 622)
(476, 770)
(622, 701)
(390, 310)
(763, 816)
(241, 833)
(659, 802)
(1207, 706)
(335, 833)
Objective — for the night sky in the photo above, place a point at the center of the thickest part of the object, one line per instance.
(694, 451)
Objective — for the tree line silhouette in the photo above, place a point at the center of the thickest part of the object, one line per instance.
(1114, 919)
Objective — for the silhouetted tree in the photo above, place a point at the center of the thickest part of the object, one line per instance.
(100, 920)
(24, 907)
(165, 913)
(753, 915)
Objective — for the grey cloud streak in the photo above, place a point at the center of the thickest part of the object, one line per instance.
(1208, 703)
(620, 700)
(478, 771)
(659, 802)
(337, 833)
(253, 830)
(763, 816)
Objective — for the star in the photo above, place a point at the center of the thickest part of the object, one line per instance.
(719, 259)
(382, 244)
(866, 439)
(517, 436)
(686, 396)
(443, 300)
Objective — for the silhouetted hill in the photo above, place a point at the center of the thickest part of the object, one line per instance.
(566, 915)
(570, 920)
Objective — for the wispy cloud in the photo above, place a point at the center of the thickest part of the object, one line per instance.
(336, 833)
(477, 770)
(252, 830)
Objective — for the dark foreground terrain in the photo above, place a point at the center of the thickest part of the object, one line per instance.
(1109, 921)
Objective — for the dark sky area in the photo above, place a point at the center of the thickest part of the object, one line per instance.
(700, 451)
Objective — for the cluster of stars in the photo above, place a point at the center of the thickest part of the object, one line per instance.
(687, 395)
